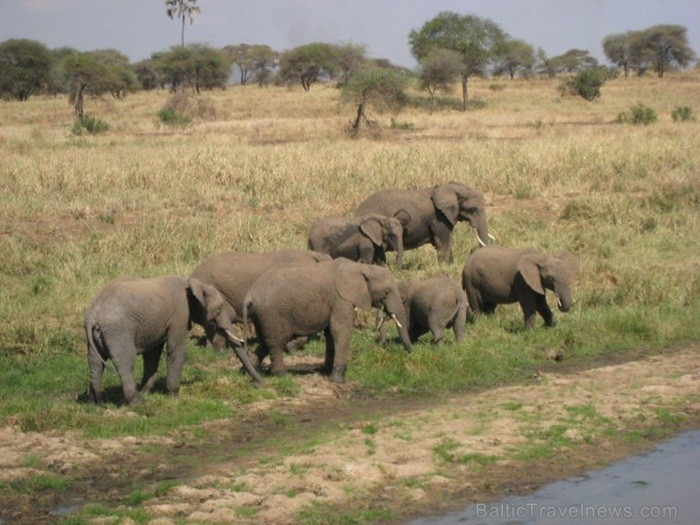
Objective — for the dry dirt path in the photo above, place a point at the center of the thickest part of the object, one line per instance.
(331, 451)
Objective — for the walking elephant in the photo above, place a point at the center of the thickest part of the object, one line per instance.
(233, 273)
(362, 239)
(285, 303)
(132, 316)
(429, 215)
(495, 275)
(431, 305)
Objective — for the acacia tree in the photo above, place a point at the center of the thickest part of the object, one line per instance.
(84, 74)
(514, 56)
(661, 47)
(197, 66)
(25, 67)
(306, 63)
(438, 71)
(253, 61)
(617, 50)
(182, 9)
(472, 37)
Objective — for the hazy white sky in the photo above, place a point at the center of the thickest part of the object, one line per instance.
(141, 27)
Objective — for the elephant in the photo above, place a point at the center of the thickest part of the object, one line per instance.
(285, 303)
(429, 215)
(363, 239)
(496, 275)
(233, 273)
(131, 316)
(431, 305)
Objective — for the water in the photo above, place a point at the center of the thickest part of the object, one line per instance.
(660, 487)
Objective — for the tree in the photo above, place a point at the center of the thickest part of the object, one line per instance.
(543, 64)
(514, 56)
(307, 63)
(253, 61)
(25, 67)
(617, 50)
(197, 66)
(182, 9)
(147, 73)
(84, 74)
(472, 37)
(661, 47)
(438, 71)
(349, 58)
(383, 88)
(572, 61)
(122, 77)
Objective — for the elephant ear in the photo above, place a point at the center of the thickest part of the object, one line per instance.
(570, 264)
(445, 199)
(373, 230)
(405, 289)
(529, 268)
(196, 287)
(208, 296)
(403, 217)
(351, 284)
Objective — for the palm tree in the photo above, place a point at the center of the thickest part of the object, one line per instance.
(182, 9)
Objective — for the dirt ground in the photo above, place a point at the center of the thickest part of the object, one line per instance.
(333, 450)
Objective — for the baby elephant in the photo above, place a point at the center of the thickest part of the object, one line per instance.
(495, 275)
(363, 239)
(132, 316)
(433, 305)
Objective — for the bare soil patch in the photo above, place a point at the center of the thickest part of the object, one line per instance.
(332, 447)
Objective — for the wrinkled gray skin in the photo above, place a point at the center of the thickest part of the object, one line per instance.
(432, 305)
(286, 303)
(429, 215)
(233, 273)
(131, 316)
(362, 239)
(495, 275)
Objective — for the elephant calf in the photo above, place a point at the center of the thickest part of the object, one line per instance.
(132, 316)
(495, 275)
(433, 305)
(363, 239)
(285, 303)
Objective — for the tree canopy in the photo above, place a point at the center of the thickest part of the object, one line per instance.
(513, 57)
(305, 64)
(183, 10)
(472, 37)
(25, 67)
(197, 66)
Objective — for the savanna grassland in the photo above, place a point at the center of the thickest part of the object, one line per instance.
(251, 174)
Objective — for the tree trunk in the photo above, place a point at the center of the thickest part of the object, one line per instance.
(464, 93)
(182, 34)
(360, 116)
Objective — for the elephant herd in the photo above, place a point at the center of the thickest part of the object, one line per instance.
(291, 294)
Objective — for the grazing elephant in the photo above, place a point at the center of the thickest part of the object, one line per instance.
(429, 215)
(132, 316)
(432, 305)
(285, 303)
(363, 239)
(495, 275)
(233, 273)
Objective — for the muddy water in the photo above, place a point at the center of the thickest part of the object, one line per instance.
(660, 487)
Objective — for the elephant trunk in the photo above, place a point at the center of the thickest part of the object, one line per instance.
(564, 299)
(482, 231)
(394, 308)
(399, 251)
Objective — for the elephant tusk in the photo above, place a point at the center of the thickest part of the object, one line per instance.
(480, 241)
(396, 321)
(492, 238)
(558, 301)
(235, 340)
(380, 321)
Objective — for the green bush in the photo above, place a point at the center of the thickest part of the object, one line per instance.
(91, 125)
(639, 114)
(585, 84)
(170, 117)
(682, 114)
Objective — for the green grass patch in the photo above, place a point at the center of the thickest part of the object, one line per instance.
(38, 483)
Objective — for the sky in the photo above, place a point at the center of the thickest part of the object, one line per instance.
(139, 28)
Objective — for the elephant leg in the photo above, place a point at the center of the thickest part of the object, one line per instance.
(436, 328)
(151, 359)
(124, 357)
(330, 351)
(97, 368)
(277, 358)
(296, 344)
(459, 323)
(341, 332)
(488, 308)
(441, 239)
(544, 310)
(529, 306)
(176, 362)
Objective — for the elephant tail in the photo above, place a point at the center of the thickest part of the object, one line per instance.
(246, 308)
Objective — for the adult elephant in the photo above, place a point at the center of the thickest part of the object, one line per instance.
(233, 273)
(429, 215)
(495, 275)
(362, 239)
(132, 316)
(285, 303)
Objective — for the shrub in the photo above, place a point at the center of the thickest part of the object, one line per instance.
(585, 84)
(170, 117)
(682, 114)
(639, 114)
(91, 125)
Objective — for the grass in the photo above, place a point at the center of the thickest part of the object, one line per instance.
(144, 200)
